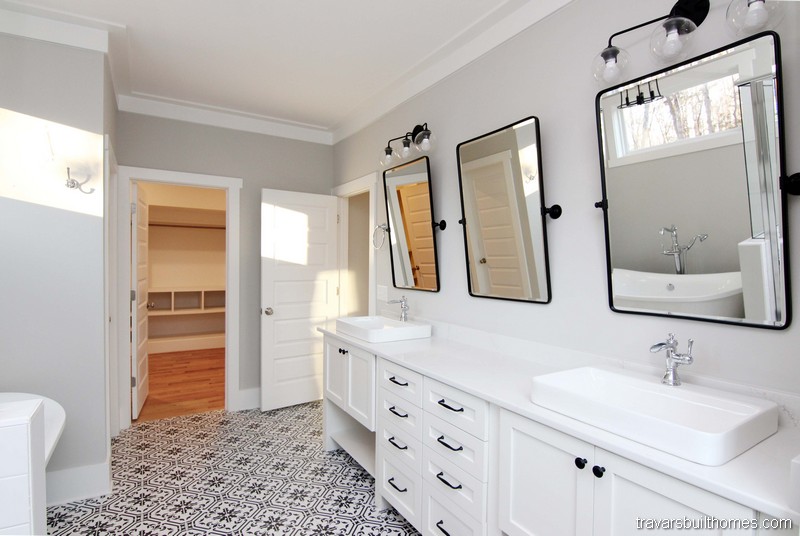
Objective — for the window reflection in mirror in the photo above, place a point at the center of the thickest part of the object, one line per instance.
(691, 160)
(409, 208)
(501, 200)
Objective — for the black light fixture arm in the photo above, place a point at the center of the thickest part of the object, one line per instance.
(626, 30)
(694, 10)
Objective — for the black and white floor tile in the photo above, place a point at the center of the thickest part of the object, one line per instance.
(218, 473)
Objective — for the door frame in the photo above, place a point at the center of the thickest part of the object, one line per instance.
(232, 187)
(366, 184)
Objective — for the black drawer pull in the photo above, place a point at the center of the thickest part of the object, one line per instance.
(393, 379)
(580, 463)
(394, 410)
(391, 483)
(441, 440)
(391, 440)
(451, 408)
(598, 471)
(440, 476)
(439, 526)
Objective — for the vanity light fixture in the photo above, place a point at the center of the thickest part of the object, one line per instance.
(420, 137)
(746, 17)
(670, 40)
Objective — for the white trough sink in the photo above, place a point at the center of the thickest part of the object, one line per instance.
(381, 328)
(698, 424)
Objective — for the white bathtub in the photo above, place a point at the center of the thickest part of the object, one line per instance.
(695, 294)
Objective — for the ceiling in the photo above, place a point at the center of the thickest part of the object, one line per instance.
(307, 69)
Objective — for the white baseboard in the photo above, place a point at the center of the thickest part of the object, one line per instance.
(247, 399)
(185, 343)
(78, 483)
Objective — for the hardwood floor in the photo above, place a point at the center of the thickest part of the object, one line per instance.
(184, 383)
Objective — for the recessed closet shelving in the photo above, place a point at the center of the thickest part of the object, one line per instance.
(186, 298)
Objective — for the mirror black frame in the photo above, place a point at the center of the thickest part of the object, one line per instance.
(434, 224)
(554, 211)
(782, 185)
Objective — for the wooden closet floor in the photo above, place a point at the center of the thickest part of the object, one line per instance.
(183, 383)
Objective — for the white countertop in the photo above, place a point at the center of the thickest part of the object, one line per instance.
(758, 478)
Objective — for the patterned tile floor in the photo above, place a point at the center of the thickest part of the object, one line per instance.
(219, 473)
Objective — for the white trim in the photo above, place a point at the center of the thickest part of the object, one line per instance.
(249, 399)
(367, 183)
(220, 117)
(53, 31)
(77, 483)
(232, 258)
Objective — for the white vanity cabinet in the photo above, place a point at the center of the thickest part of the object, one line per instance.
(552, 484)
(349, 401)
(432, 452)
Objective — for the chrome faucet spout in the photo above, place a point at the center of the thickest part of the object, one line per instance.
(673, 359)
(403, 308)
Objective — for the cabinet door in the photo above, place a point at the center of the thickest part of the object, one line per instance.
(360, 387)
(542, 490)
(335, 372)
(630, 498)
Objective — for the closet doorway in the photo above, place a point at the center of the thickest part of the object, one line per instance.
(185, 268)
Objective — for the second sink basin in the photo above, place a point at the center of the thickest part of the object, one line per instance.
(381, 328)
(696, 423)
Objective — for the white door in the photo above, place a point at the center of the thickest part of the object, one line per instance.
(299, 280)
(494, 227)
(140, 377)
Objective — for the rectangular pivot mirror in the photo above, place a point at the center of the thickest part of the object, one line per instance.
(409, 208)
(695, 218)
(502, 200)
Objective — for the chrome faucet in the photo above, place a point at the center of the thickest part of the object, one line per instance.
(673, 358)
(403, 308)
(677, 251)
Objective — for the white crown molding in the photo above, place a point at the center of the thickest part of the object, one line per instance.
(508, 27)
(221, 118)
(53, 31)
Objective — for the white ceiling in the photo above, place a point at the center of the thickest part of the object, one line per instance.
(307, 69)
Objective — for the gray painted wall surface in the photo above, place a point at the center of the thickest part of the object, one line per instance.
(546, 71)
(51, 278)
(260, 161)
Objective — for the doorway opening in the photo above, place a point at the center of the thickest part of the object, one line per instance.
(125, 313)
(185, 303)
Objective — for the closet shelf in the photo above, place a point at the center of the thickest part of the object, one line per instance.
(183, 301)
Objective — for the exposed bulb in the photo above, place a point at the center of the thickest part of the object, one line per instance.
(612, 72)
(405, 152)
(425, 145)
(672, 44)
(757, 15)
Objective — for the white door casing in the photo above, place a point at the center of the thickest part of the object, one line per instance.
(140, 377)
(299, 280)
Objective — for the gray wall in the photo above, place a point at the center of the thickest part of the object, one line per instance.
(546, 71)
(689, 191)
(261, 161)
(51, 277)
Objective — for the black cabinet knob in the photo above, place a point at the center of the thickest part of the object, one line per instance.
(580, 463)
(598, 471)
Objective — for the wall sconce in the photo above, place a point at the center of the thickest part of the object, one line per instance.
(750, 16)
(670, 40)
(422, 139)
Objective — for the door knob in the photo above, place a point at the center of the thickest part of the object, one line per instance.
(151, 306)
(268, 311)
(483, 260)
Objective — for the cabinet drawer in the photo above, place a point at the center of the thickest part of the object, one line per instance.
(401, 381)
(441, 517)
(464, 410)
(402, 445)
(400, 413)
(401, 487)
(456, 446)
(462, 489)
(15, 508)
(13, 450)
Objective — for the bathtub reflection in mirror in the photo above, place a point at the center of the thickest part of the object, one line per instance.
(691, 159)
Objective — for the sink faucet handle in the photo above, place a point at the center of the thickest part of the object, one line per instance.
(689, 351)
